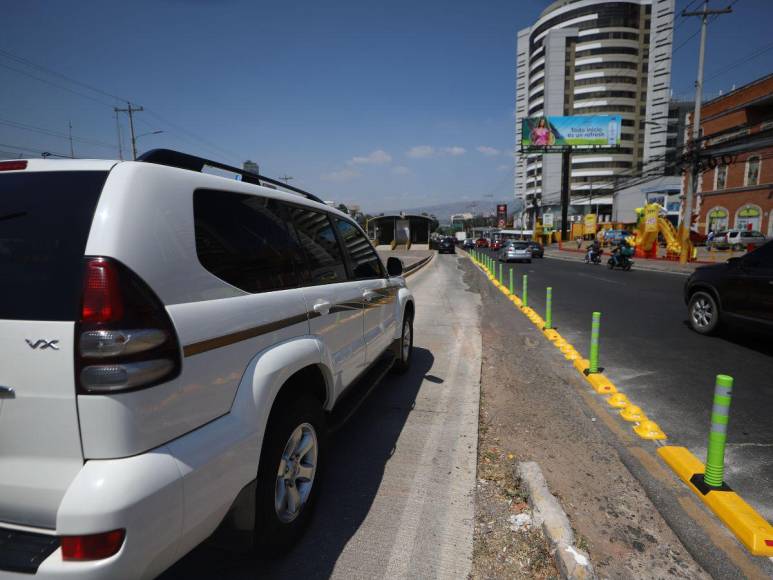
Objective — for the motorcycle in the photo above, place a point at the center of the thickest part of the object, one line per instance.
(620, 261)
(593, 257)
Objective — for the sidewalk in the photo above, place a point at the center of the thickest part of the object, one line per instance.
(666, 266)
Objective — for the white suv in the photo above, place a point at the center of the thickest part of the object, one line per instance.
(173, 346)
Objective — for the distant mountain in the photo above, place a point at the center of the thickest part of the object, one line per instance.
(444, 211)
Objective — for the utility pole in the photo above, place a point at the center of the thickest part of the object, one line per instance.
(286, 178)
(686, 226)
(72, 150)
(129, 109)
(118, 129)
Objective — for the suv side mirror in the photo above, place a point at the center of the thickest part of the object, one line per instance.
(394, 266)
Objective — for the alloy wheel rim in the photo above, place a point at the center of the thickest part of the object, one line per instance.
(295, 476)
(407, 338)
(702, 313)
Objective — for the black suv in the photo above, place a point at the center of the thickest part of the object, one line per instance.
(738, 291)
(447, 245)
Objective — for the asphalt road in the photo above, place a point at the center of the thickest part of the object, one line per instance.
(649, 351)
(397, 494)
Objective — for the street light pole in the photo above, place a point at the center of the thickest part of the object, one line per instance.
(129, 109)
(686, 226)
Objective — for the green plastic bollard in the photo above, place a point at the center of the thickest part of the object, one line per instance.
(549, 308)
(500, 274)
(594, 343)
(511, 281)
(525, 290)
(720, 415)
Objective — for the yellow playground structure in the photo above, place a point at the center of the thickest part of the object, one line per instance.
(650, 222)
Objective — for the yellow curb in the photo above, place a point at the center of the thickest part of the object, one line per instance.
(538, 321)
(618, 401)
(506, 291)
(649, 430)
(516, 300)
(560, 343)
(581, 364)
(571, 355)
(601, 384)
(751, 529)
(551, 334)
(633, 413)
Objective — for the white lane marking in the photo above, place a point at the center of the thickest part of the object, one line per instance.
(600, 279)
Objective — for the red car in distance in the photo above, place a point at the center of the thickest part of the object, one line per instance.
(481, 243)
(496, 245)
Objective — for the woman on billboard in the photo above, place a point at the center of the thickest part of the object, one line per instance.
(542, 134)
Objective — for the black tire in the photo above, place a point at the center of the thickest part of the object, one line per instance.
(273, 536)
(404, 356)
(528, 261)
(611, 264)
(627, 267)
(737, 247)
(703, 313)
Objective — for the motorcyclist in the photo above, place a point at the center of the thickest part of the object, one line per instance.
(621, 253)
(593, 250)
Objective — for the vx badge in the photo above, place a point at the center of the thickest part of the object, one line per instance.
(42, 344)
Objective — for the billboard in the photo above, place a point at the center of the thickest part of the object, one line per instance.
(590, 224)
(501, 215)
(547, 221)
(558, 133)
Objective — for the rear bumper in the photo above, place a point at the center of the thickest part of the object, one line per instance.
(142, 495)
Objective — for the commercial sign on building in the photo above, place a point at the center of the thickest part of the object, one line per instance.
(502, 215)
(558, 133)
(547, 221)
(590, 224)
(651, 213)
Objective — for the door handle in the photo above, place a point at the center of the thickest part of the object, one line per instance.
(7, 393)
(370, 296)
(321, 307)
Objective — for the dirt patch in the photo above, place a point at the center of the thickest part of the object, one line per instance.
(499, 551)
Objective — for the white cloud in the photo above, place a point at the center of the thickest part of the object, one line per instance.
(378, 157)
(488, 151)
(454, 151)
(421, 151)
(400, 170)
(346, 174)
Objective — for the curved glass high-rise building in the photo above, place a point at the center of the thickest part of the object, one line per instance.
(594, 57)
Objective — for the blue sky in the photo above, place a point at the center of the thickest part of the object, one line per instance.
(389, 105)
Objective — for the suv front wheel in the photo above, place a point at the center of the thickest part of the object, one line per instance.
(704, 312)
(294, 450)
(403, 362)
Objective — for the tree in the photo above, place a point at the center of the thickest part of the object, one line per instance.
(343, 208)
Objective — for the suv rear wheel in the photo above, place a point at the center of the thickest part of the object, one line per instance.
(294, 450)
(704, 312)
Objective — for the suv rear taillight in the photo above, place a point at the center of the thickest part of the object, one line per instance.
(92, 546)
(125, 339)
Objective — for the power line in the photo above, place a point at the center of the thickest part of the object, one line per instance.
(232, 156)
(755, 54)
(53, 84)
(50, 133)
(35, 151)
(58, 74)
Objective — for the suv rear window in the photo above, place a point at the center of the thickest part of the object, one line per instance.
(45, 218)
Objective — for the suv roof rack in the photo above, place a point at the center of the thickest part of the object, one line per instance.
(180, 160)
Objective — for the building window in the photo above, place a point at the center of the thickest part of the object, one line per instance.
(716, 220)
(752, 171)
(748, 217)
(720, 177)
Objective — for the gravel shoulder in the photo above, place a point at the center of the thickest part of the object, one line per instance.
(532, 408)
